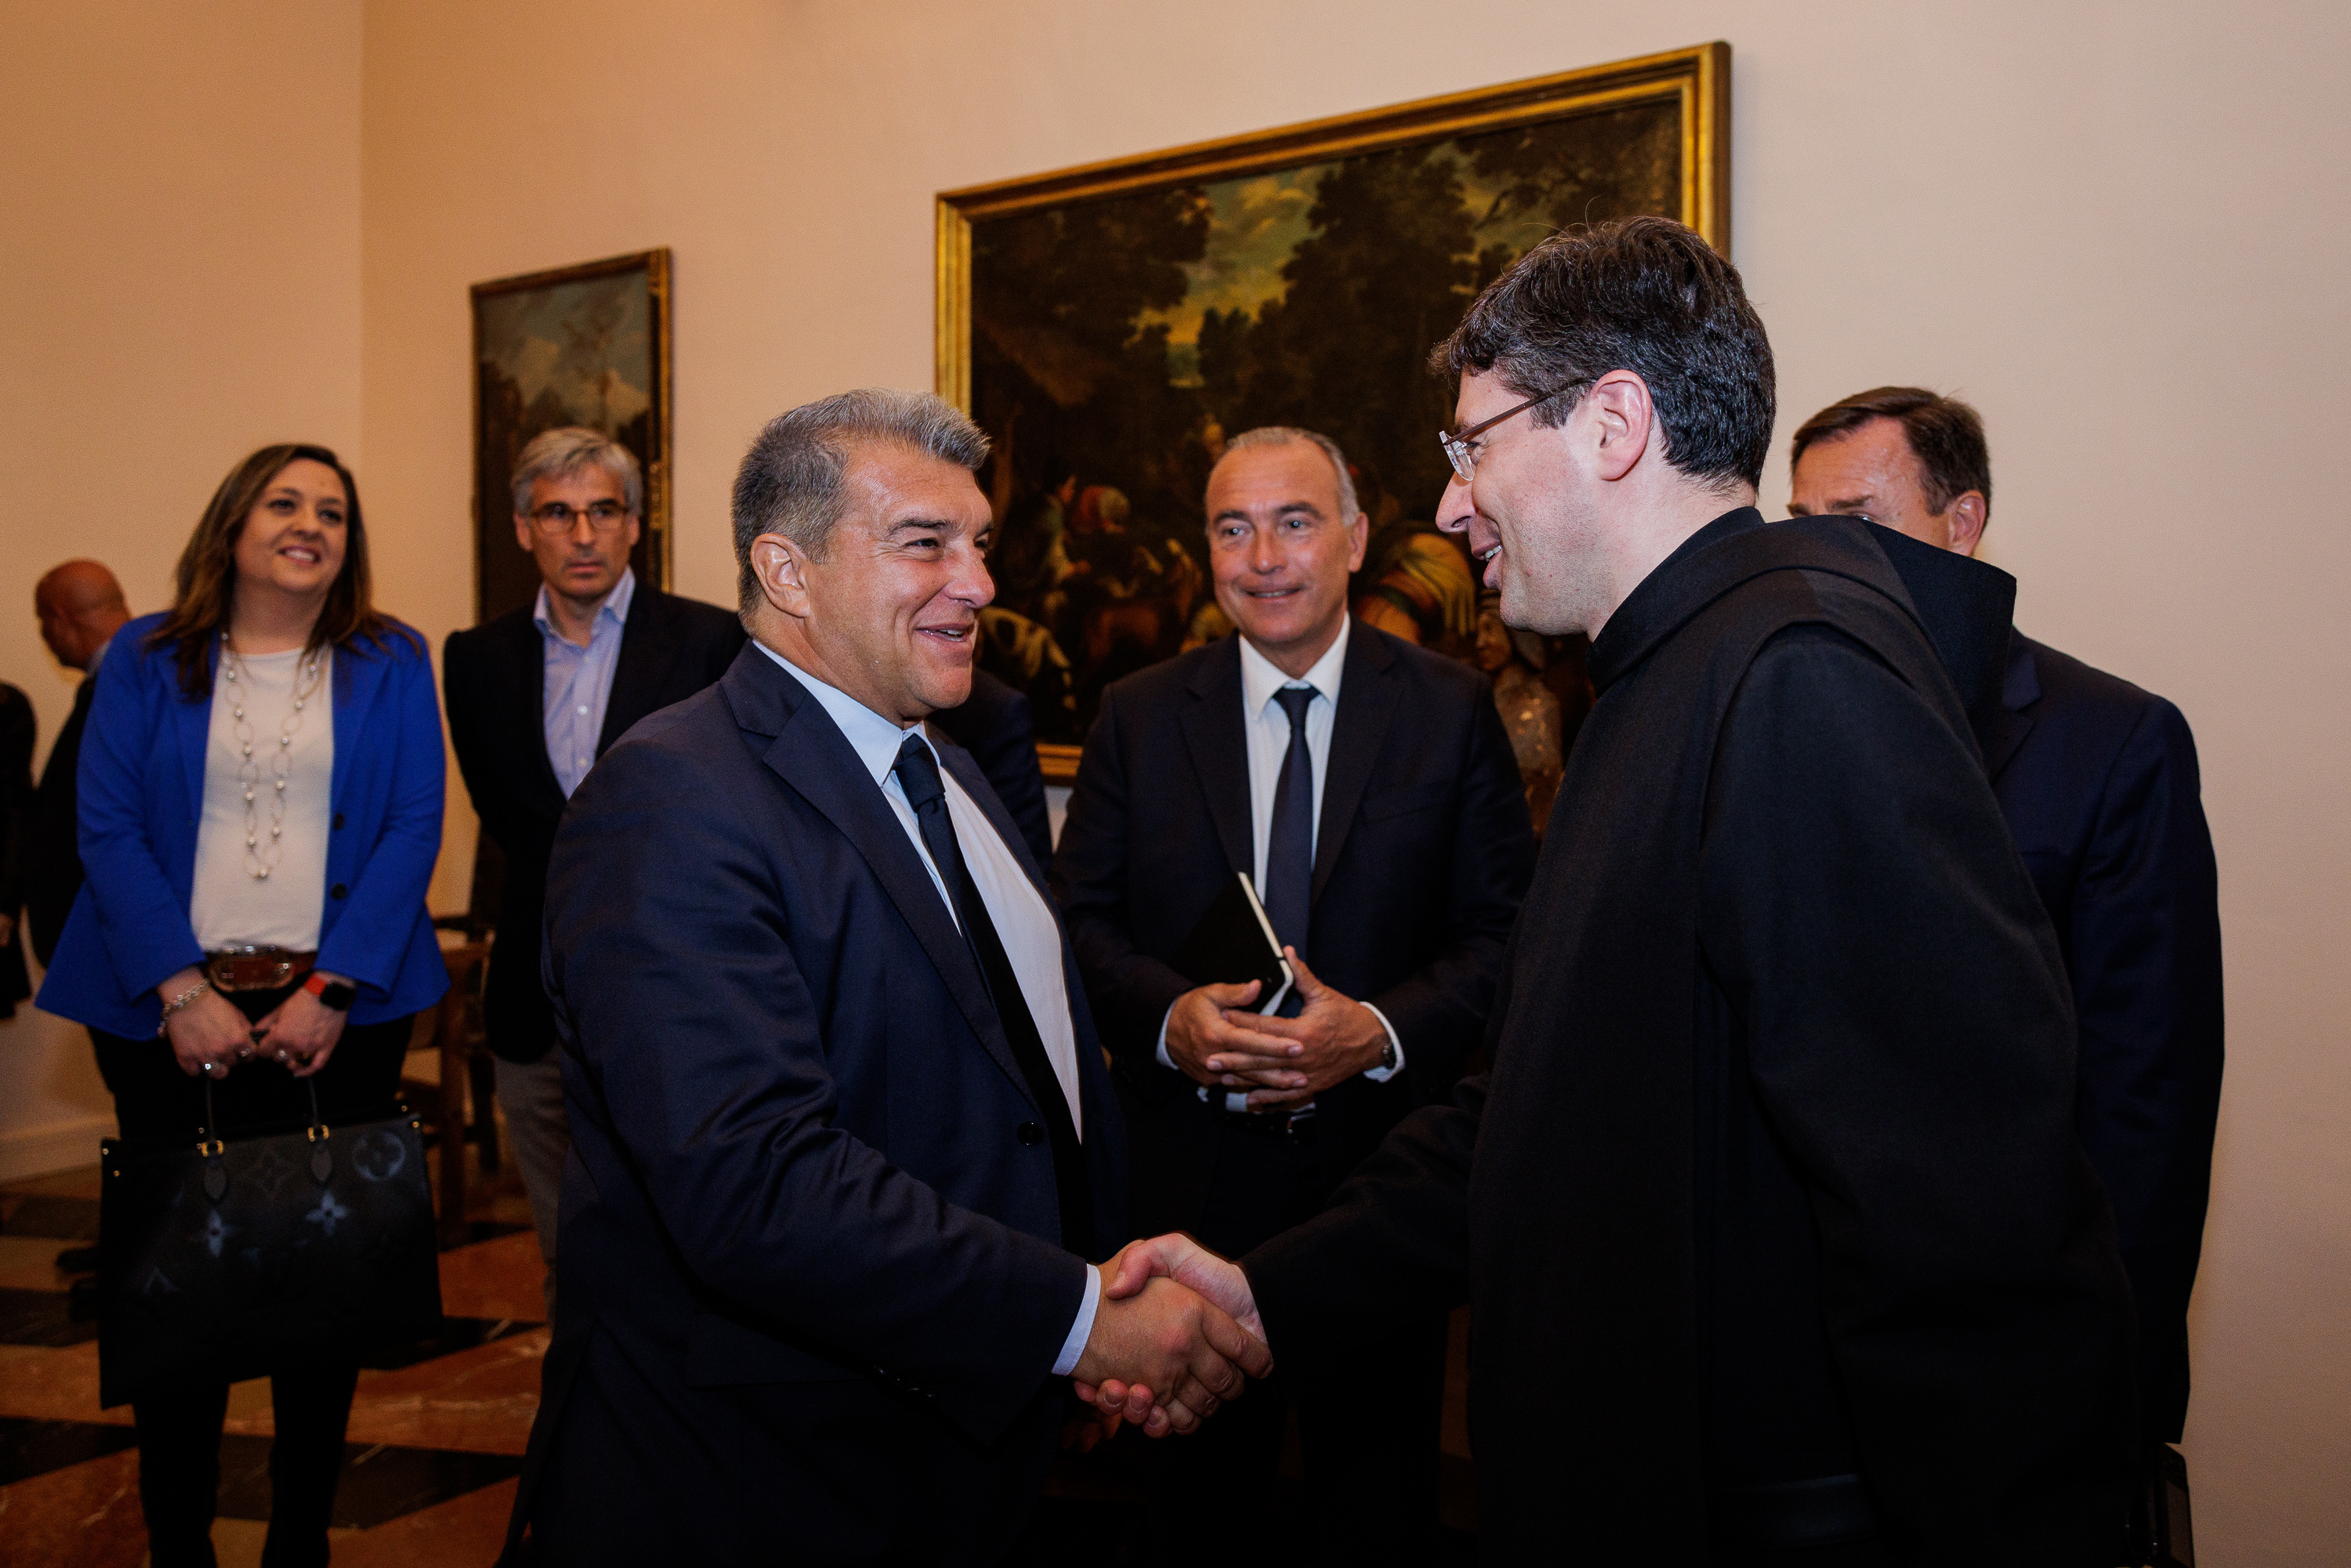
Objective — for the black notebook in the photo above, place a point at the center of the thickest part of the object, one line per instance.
(1234, 944)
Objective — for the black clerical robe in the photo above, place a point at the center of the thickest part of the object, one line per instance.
(1773, 1180)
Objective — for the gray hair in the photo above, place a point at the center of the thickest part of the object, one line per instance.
(559, 453)
(790, 481)
(1289, 434)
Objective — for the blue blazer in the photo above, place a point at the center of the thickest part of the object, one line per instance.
(2099, 781)
(813, 1284)
(141, 790)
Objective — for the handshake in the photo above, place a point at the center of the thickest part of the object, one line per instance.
(1177, 1334)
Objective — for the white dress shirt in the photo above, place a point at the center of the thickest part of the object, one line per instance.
(1026, 925)
(1266, 725)
(228, 907)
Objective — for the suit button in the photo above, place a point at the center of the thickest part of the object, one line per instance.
(1030, 1134)
(339, 819)
(338, 891)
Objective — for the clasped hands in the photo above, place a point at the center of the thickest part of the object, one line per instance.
(1176, 1335)
(1213, 1038)
(210, 1035)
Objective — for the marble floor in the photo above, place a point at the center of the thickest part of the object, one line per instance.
(437, 1429)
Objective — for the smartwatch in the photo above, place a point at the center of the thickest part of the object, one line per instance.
(333, 994)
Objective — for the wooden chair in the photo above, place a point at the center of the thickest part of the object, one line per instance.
(461, 1105)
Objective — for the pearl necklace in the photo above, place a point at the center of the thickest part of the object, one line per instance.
(260, 860)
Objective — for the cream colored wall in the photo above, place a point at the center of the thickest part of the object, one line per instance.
(2115, 227)
(180, 257)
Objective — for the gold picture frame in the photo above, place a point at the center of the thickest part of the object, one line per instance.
(1667, 112)
(587, 344)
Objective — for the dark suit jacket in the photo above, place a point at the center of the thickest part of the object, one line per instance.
(17, 733)
(1422, 855)
(2099, 781)
(53, 858)
(492, 675)
(811, 1290)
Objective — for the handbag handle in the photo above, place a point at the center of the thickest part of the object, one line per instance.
(209, 1144)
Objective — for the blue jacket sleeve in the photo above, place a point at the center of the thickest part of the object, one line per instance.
(387, 893)
(142, 921)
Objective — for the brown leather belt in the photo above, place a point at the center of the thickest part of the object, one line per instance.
(256, 968)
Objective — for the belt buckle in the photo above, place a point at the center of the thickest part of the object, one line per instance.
(253, 968)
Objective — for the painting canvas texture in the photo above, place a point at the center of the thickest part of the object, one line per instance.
(1115, 343)
(582, 348)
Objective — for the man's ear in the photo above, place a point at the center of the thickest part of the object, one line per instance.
(782, 571)
(1625, 419)
(1359, 535)
(523, 533)
(1966, 515)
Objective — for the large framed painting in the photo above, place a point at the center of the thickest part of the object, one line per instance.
(578, 345)
(1109, 325)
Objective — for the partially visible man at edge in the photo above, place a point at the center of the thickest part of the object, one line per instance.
(1782, 1246)
(80, 608)
(844, 1145)
(2099, 781)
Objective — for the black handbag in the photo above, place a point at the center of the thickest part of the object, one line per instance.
(220, 1261)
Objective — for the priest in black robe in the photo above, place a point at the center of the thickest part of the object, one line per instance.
(1781, 1244)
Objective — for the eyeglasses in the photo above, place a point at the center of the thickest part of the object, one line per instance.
(556, 519)
(1461, 451)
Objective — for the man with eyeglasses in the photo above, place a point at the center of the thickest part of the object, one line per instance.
(1780, 1245)
(534, 698)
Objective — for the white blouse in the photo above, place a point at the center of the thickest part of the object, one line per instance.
(229, 906)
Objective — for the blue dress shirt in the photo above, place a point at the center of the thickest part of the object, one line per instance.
(577, 683)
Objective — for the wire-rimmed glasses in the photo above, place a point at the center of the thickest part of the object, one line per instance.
(1462, 450)
(558, 517)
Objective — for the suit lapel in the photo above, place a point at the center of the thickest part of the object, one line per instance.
(523, 659)
(1216, 737)
(194, 726)
(637, 671)
(809, 754)
(356, 678)
(2020, 689)
(1367, 698)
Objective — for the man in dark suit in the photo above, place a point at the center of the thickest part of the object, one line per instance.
(534, 698)
(81, 607)
(2099, 781)
(1779, 1241)
(1367, 788)
(843, 1141)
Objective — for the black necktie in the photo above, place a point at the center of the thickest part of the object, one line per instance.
(918, 774)
(1290, 837)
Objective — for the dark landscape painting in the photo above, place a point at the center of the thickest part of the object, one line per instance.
(1115, 340)
(580, 345)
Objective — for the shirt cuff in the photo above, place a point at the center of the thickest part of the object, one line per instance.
(1083, 1329)
(1382, 1074)
(1166, 1061)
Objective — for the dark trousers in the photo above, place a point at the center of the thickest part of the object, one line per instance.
(1367, 1425)
(180, 1430)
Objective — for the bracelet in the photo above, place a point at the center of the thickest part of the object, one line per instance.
(176, 1003)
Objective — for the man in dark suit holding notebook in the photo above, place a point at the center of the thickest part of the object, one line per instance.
(1366, 788)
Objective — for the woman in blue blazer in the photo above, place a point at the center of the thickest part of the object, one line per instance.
(260, 793)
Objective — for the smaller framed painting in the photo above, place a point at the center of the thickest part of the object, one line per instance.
(577, 345)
